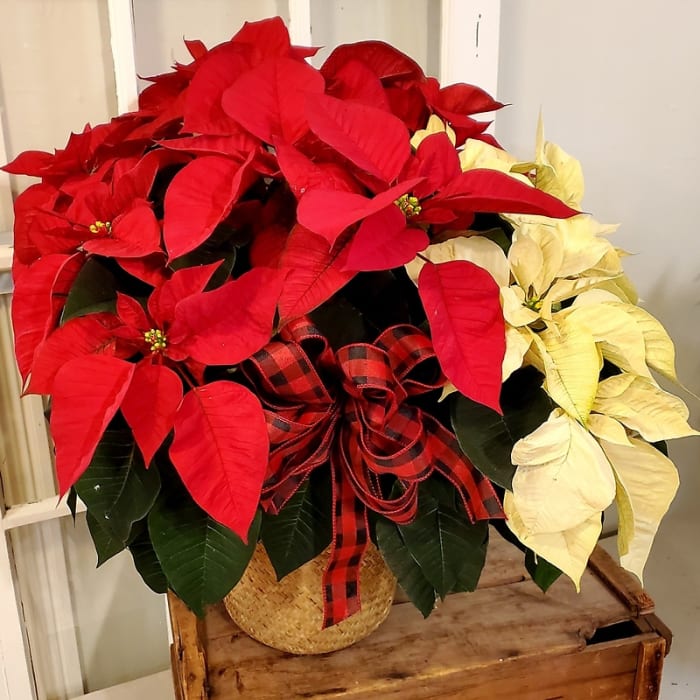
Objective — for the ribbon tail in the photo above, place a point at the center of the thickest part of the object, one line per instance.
(478, 495)
(341, 578)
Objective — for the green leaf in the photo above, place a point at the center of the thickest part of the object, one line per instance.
(146, 562)
(437, 489)
(302, 529)
(202, 559)
(221, 245)
(340, 322)
(93, 290)
(469, 576)
(487, 438)
(72, 502)
(542, 572)
(445, 544)
(661, 446)
(409, 575)
(505, 532)
(484, 437)
(499, 237)
(526, 405)
(384, 299)
(106, 545)
(117, 488)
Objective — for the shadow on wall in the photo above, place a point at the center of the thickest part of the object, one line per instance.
(679, 308)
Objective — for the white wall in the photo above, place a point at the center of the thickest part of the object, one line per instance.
(617, 85)
(617, 82)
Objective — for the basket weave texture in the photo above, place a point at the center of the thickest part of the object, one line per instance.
(288, 614)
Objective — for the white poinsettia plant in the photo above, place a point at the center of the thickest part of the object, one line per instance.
(572, 314)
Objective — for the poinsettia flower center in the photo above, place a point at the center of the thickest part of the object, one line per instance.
(409, 205)
(101, 228)
(534, 303)
(156, 338)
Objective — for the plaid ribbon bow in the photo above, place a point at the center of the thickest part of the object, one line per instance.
(349, 408)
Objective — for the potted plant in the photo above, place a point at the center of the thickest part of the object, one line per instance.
(323, 310)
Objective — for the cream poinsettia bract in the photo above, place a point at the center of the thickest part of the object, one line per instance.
(570, 311)
(562, 484)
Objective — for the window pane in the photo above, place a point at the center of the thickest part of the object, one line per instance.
(88, 628)
(55, 71)
(26, 472)
(413, 26)
(122, 629)
(160, 26)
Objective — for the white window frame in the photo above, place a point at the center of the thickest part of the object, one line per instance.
(15, 673)
(468, 52)
(469, 43)
(5, 203)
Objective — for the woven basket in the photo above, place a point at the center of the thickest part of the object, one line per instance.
(288, 614)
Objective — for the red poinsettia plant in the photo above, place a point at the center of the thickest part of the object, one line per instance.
(212, 291)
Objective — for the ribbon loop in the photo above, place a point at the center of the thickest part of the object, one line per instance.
(369, 381)
(350, 409)
(413, 359)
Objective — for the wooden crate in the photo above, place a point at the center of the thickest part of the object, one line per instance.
(506, 640)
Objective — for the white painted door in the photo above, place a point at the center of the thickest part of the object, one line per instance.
(67, 629)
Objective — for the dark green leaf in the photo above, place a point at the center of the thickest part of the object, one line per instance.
(94, 289)
(117, 488)
(340, 322)
(303, 528)
(202, 559)
(488, 438)
(470, 574)
(442, 541)
(499, 237)
(221, 245)
(542, 572)
(484, 437)
(485, 223)
(506, 533)
(106, 545)
(72, 502)
(661, 446)
(526, 405)
(436, 490)
(147, 564)
(404, 567)
(384, 299)
(608, 369)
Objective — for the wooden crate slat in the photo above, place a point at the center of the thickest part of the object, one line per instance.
(625, 585)
(611, 668)
(649, 666)
(650, 622)
(187, 652)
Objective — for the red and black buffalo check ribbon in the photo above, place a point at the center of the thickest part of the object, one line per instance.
(350, 408)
